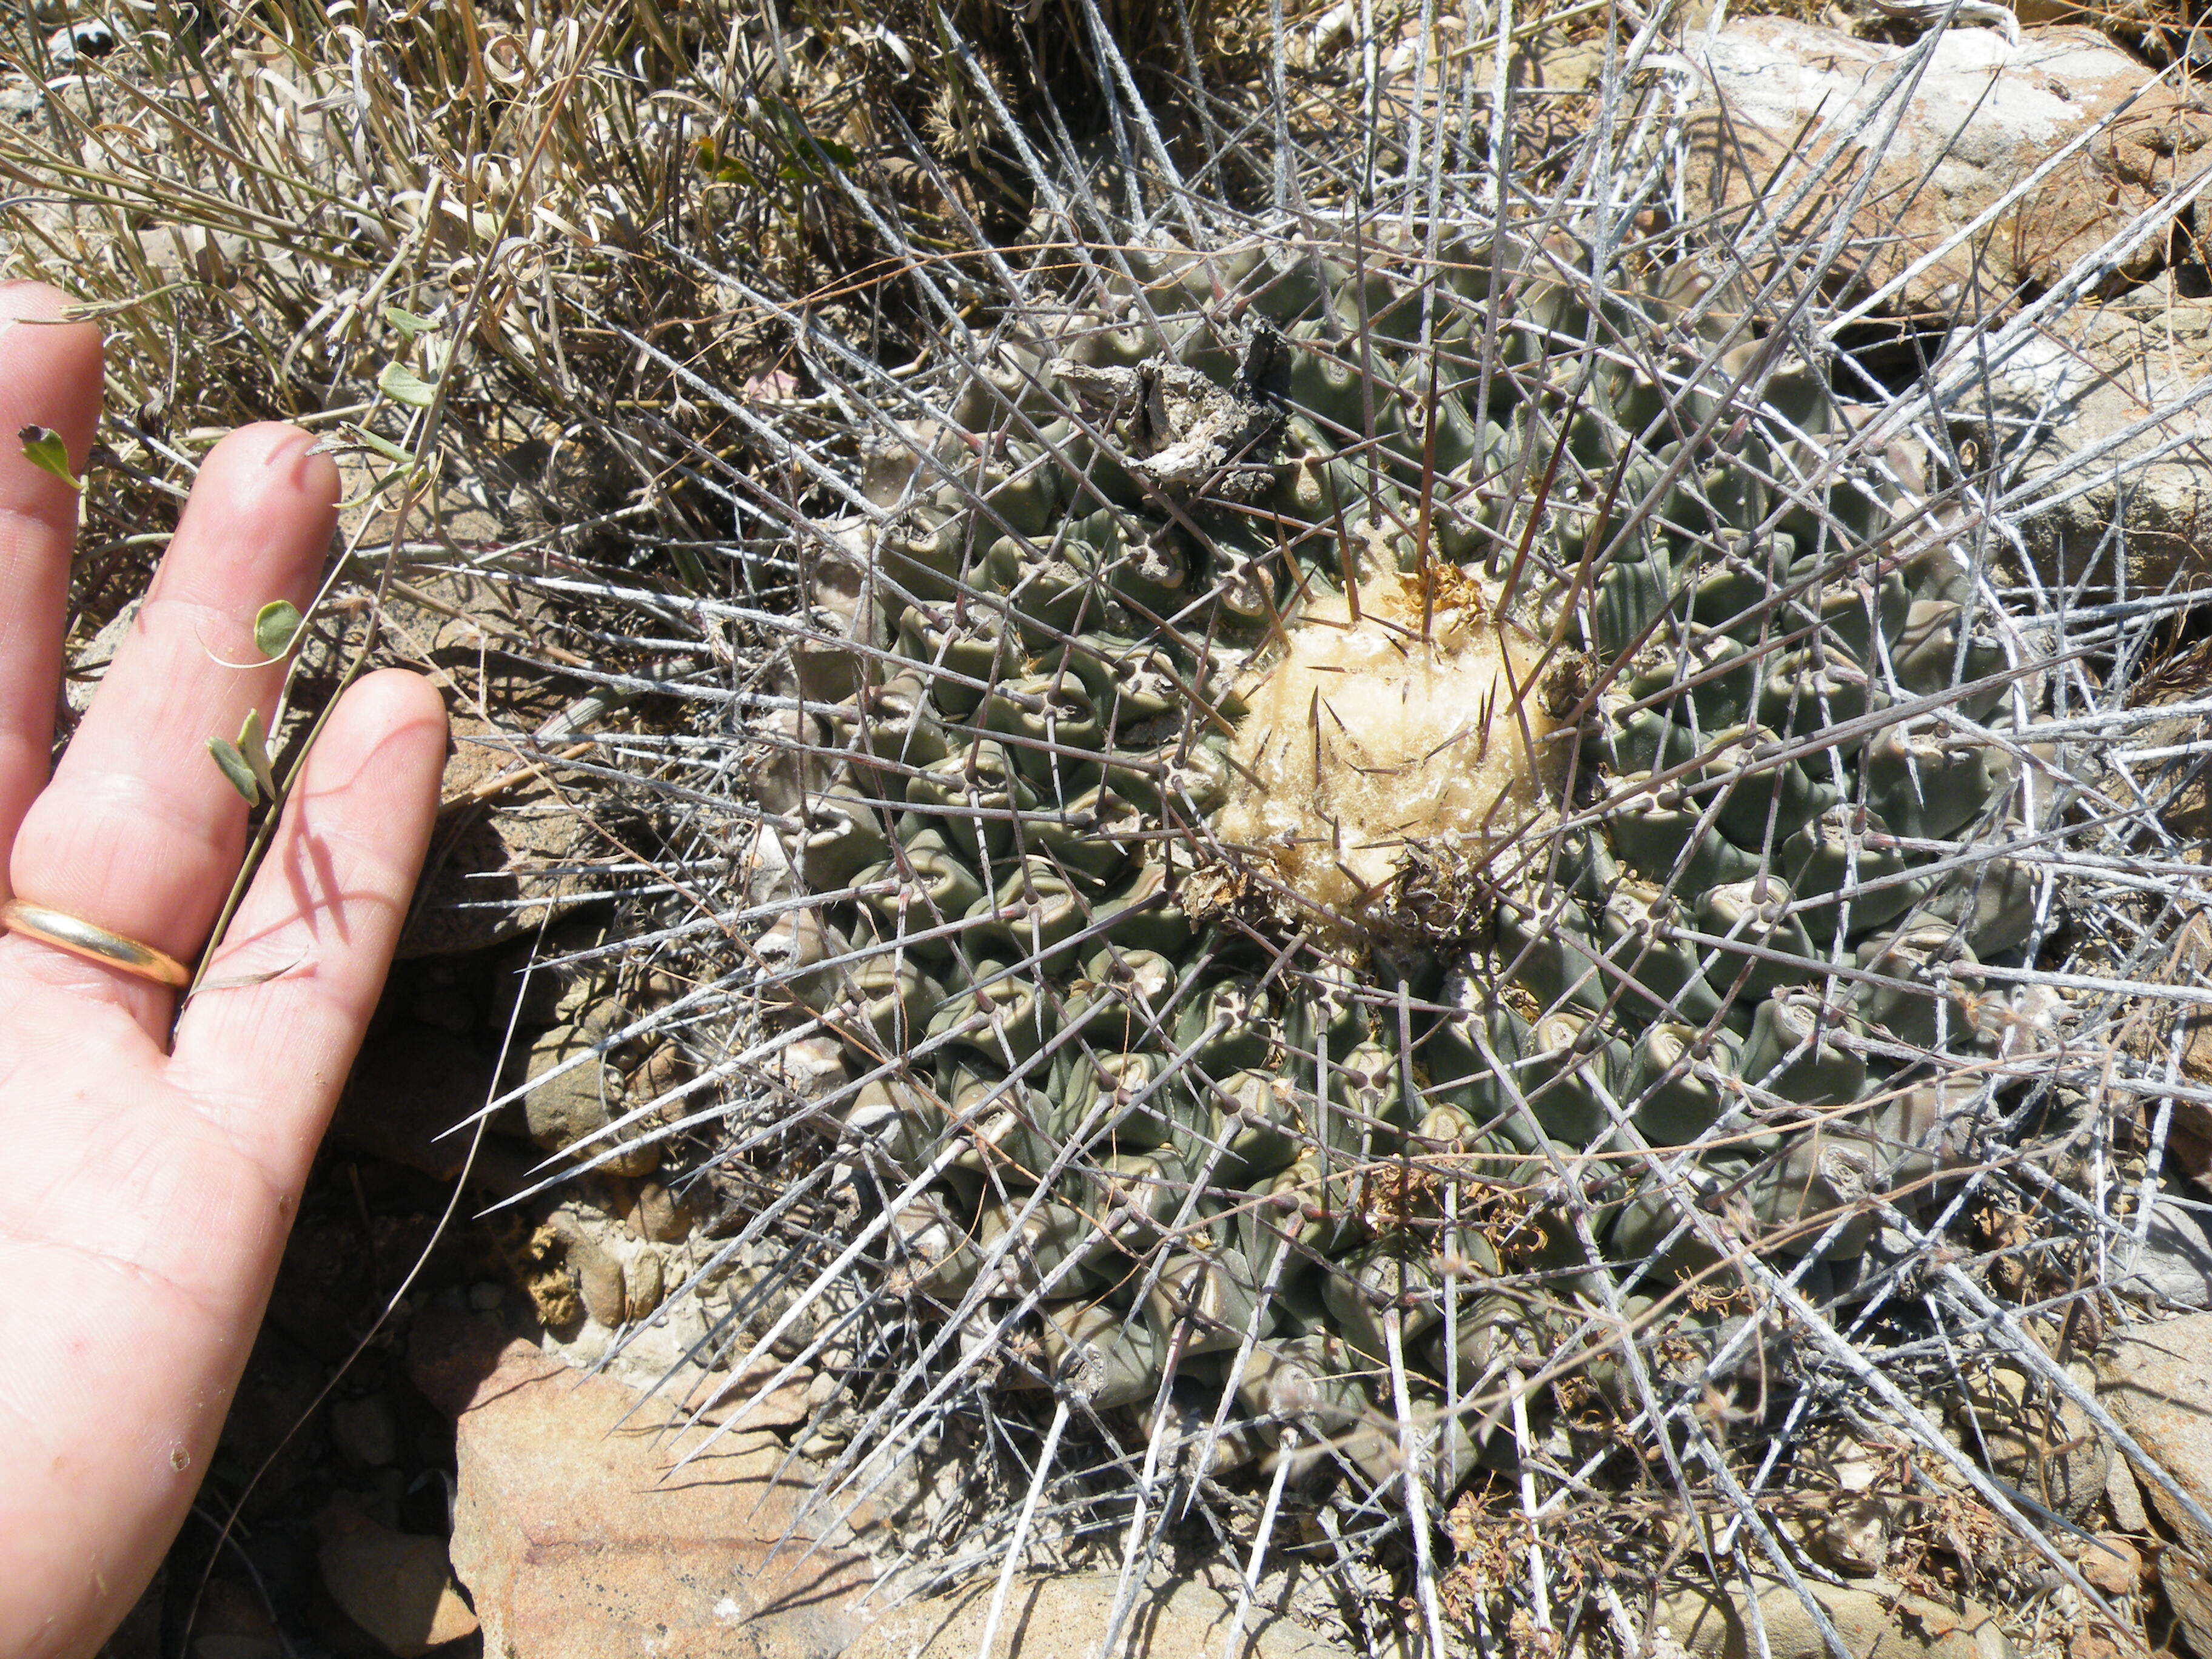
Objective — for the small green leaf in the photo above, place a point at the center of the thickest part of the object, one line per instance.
(235, 769)
(275, 625)
(43, 448)
(403, 386)
(253, 747)
(407, 322)
(384, 446)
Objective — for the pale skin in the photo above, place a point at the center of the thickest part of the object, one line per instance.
(153, 1162)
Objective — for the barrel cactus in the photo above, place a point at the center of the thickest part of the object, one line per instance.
(1374, 818)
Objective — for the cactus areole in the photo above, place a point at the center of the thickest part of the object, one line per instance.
(1390, 814)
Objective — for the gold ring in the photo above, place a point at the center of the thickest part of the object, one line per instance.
(81, 938)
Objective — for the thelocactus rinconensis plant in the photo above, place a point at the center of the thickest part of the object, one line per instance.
(1378, 813)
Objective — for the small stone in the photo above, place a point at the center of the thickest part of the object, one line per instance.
(566, 1106)
(485, 1297)
(658, 1216)
(664, 1068)
(396, 1586)
(563, 1106)
(366, 1431)
(2035, 1439)
(275, 1418)
(642, 1284)
(2112, 1566)
(93, 38)
(598, 1281)
(232, 1623)
(2124, 1496)
(1853, 1536)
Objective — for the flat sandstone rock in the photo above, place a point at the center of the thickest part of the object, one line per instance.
(1985, 115)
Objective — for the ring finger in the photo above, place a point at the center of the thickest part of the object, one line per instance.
(139, 832)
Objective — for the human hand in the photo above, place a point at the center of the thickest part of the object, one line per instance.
(151, 1184)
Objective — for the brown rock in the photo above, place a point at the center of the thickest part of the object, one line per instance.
(1984, 116)
(658, 1216)
(1882, 1620)
(1065, 1617)
(739, 1401)
(449, 1355)
(574, 1531)
(2111, 1565)
(395, 1585)
(2158, 1386)
(412, 1083)
(366, 1431)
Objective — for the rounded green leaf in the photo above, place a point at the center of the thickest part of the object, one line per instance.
(275, 625)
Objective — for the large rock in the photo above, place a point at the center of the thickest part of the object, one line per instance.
(2173, 1263)
(1065, 1617)
(2079, 385)
(394, 1585)
(1876, 1621)
(1985, 114)
(2158, 1386)
(574, 1533)
(412, 1085)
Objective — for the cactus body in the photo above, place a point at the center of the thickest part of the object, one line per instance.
(1177, 931)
